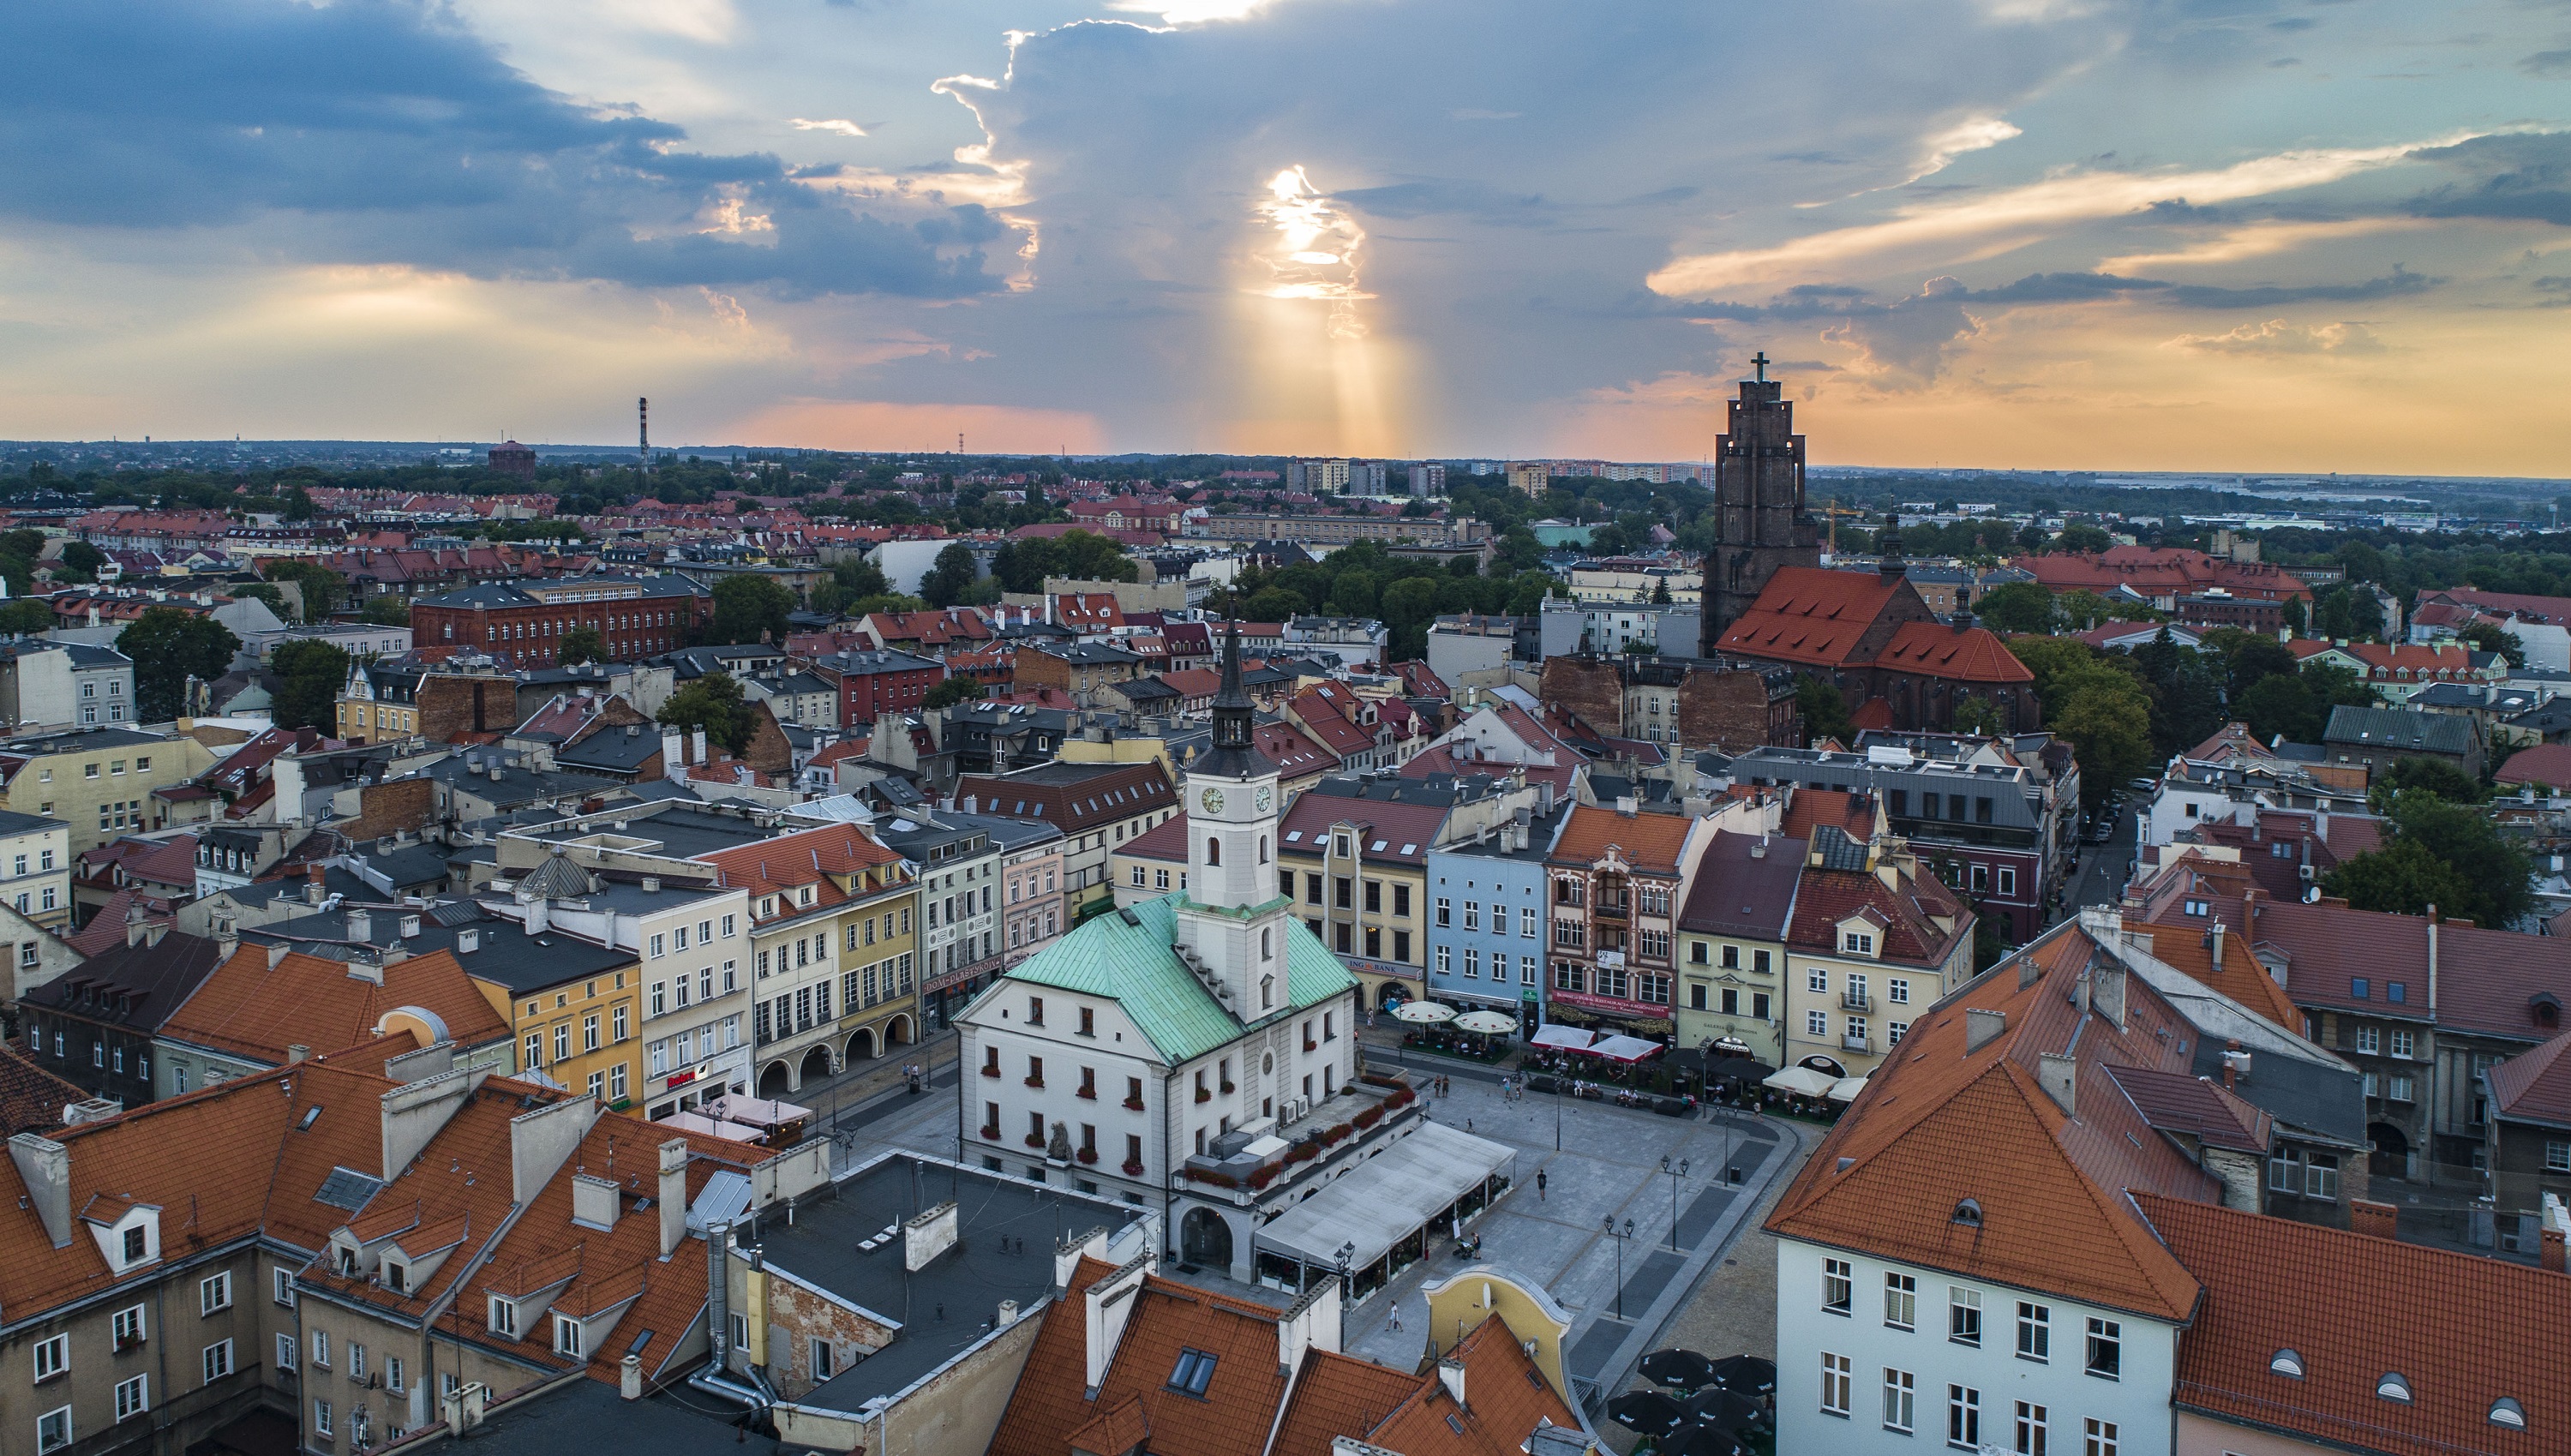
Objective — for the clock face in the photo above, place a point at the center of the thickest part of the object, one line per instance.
(1212, 800)
(1266, 796)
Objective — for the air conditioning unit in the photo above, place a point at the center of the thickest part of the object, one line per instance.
(2306, 873)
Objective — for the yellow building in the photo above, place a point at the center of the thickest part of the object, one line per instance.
(1357, 870)
(378, 704)
(98, 781)
(573, 1007)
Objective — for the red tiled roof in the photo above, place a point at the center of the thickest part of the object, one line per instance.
(2535, 1087)
(1811, 615)
(1973, 655)
(2160, 572)
(250, 1008)
(1939, 1124)
(1824, 897)
(2547, 765)
(1165, 841)
(782, 865)
(1652, 843)
(2488, 981)
(31, 1099)
(1388, 829)
(2462, 1332)
(2554, 610)
(1852, 812)
(1075, 806)
(1232, 1418)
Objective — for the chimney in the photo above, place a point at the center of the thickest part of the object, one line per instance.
(629, 1378)
(2217, 943)
(361, 927)
(673, 1194)
(45, 1166)
(2374, 1220)
(312, 891)
(2236, 1064)
(1450, 1374)
(410, 927)
(1008, 1315)
(2059, 1075)
(594, 1202)
(468, 941)
(674, 758)
(1980, 1027)
(298, 1052)
(412, 1113)
(696, 746)
(2549, 1255)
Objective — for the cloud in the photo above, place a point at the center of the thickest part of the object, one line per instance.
(384, 133)
(2547, 63)
(2276, 336)
(2019, 214)
(836, 126)
(2520, 175)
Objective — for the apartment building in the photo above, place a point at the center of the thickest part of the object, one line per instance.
(1024, 853)
(98, 781)
(36, 868)
(1488, 926)
(836, 940)
(268, 1004)
(1732, 946)
(1618, 879)
(1872, 943)
(1094, 807)
(1355, 866)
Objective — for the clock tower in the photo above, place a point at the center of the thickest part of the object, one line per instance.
(1233, 921)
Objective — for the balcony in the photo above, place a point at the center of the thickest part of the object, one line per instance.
(1618, 911)
(1855, 1001)
(1351, 1118)
(1864, 1046)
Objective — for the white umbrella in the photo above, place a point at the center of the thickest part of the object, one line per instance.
(1423, 1013)
(1803, 1081)
(1846, 1089)
(1487, 1023)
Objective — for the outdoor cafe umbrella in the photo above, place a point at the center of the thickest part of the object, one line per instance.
(1487, 1023)
(1684, 1369)
(1748, 1374)
(1645, 1411)
(1801, 1082)
(1423, 1013)
(1728, 1409)
(1699, 1439)
(1846, 1089)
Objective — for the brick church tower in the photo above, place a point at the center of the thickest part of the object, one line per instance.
(1759, 501)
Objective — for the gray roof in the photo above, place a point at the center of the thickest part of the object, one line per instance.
(951, 1303)
(334, 881)
(411, 865)
(586, 1415)
(864, 664)
(1542, 830)
(612, 749)
(513, 594)
(1745, 886)
(506, 953)
(81, 740)
(679, 830)
(1009, 835)
(515, 785)
(157, 978)
(13, 822)
(2401, 729)
(89, 656)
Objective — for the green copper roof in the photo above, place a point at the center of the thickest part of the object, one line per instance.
(1136, 966)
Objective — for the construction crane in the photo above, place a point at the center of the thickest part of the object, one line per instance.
(1834, 511)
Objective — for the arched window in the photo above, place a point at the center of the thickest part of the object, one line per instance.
(1263, 849)
(1214, 850)
(1267, 992)
(1268, 944)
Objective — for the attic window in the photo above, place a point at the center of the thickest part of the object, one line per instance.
(2394, 1386)
(2505, 1411)
(311, 1115)
(1968, 1213)
(1195, 1372)
(2287, 1363)
(1378, 847)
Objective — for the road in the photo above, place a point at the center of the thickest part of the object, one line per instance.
(2104, 869)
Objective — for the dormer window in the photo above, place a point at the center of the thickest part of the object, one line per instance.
(137, 1245)
(2505, 1411)
(396, 1275)
(2394, 1386)
(504, 1317)
(566, 1335)
(1968, 1213)
(805, 895)
(1857, 942)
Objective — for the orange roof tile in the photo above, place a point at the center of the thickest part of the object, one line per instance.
(250, 1008)
(782, 865)
(1811, 615)
(1232, 1418)
(1973, 655)
(1652, 843)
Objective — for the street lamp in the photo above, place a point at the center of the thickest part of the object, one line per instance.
(1677, 1172)
(1347, 1291)
(1620, 1258)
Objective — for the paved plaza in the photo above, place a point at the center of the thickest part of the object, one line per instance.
(1599, 1162)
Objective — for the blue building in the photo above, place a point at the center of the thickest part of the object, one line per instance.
(1487, 919)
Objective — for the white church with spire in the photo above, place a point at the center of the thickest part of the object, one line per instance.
(1196, 1053)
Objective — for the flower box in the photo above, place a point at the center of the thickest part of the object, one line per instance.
(1229, 1088)
(1204, 1096)
(1134, 1170)
(1088, 1092)
(991, 1133)
(1035, 1082)
(990, 1070)
(1369, 1117)
(1303, 1152)
(1135, 1102)
(1086, 1154)
(1218, 1179)
(1035, 1139)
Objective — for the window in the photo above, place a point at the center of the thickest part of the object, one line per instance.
(321, 1349)
(504, 1317)
(53, 1356)
(1857, 942)
(1817, 1023)
(215, 1293)
(2030, 1430)
(321, 1418)
(1963, 1416)
(1897, 991)
(1901, 1300)
(1838, 1288)
(2106, 1349)
(217, 1360)
(1900, 1393)
(2320, 1176)
(133, 1397)
(1964, 1317)
(2405, 1044)
(2557, 1156)
(1816, 979)
(53, 1430)
(285, 1351)
(2035, 1332)
(1194, 1373)
(1836, 1371)
(138, 1243)
(128, 1328)
(285, 1291)
(2098, 1438)
(566, 1336)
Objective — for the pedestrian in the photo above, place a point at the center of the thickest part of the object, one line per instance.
(1468, 1125)
(1394, 1314)
(1539, 1184)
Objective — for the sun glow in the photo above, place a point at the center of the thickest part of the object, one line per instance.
(1321, 387)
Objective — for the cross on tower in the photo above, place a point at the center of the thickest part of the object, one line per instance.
(1761, 362)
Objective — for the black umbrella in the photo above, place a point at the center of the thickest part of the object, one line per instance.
(1728, 1409)
(1748, 1374)
(1698, 1439)
(1684, 1369)
(1739, 1069)
(1648, 1412)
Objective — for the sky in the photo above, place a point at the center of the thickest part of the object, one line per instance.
(2272, 235)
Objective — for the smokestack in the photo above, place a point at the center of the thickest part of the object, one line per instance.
(643, 413)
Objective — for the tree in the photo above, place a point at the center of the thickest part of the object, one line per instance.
(309, 676)
(298, 504)
(386, 611)
(2488, 637)
(322, 588)
(1824, 711)
(1661, 591)
(1352, 595)
(1089, 557)
(581, 643)
(2254, 659)
(2443, 854)
(2278, 707)
(168, 647)
(2018, 607)
(1527, 591)
(83, 558)
(1975, 715)
(2431, 777)
(951, 577)
(713, 702)
(2079, 538)
(750, 608)
(1274, 604)
(951, 691)
(861, 578)
(2294, 615)
(260, 592)
(2109, 729)
(25, 616)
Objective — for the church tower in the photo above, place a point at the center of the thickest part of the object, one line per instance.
(1233, 921)
(1760, 523)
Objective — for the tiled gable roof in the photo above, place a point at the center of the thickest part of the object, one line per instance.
(250, 1008)
(1823, 897)
(782, 865)
(1973, 655)
(1232, 1418)
(1652, 843)
(2464, 1332)
(2535, 1087)
(1389, 831)
(1939, 1124)
(1811, 615)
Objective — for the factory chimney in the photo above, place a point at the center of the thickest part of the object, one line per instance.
(643, 411)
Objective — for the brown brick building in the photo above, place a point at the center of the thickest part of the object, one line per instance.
(1684, 702)
(523, 622)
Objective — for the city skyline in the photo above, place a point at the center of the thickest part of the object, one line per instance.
(2250, 236)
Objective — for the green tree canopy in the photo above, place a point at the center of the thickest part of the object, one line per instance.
(168, 647)
(2488, 637)
(749, 609)
(2079, 537)
(2018, 607)
(713, 702)
(323, 589)
(2433, 776)
(25, 616)
(946, 582)
(1824, 709)
(2443, 854)
(951, 691)
(309, 676)
(582, 645)
(386, 611)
